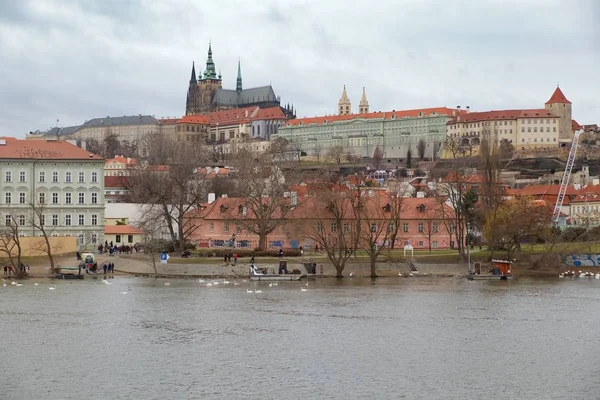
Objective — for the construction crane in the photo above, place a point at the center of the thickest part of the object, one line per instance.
(564, 183)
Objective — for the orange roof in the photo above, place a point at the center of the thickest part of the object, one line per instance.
(374, 115)
(168, 121)
(499, 115)
(115, 182)
(575, 126)
(120, 230)
(233, 116)
(558, 97)
(121, 160)
(14, 148)
(269, 113)
(193, 119)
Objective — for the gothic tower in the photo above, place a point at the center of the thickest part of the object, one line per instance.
(238, 85)
(344, 106)
(561, 107)
(193, 95)
(209, 83)
(363, 106)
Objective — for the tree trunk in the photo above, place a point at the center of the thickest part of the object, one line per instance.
(262, 240)
(374, 267)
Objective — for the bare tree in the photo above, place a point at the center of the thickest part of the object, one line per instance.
(151, 230)
(453, 146)
(409, 157)
(317, 150)
(175, 188)
(336, 226)
(377, 157)
(112, 146)
(10, 241)
(38, 222)
(93, 146)
(435, 150)
(335, 154)
(421, 149)
(129, 148)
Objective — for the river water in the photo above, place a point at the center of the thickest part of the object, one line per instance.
(396, 338)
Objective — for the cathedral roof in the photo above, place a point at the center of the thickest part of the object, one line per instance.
(246, 96)
(126, 120)
(558, 97)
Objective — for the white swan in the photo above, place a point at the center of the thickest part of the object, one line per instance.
(124, 293)
(225, 282)
(51, 288)
(13, 283)
(351, 274)
(200, 280)
(167, 283)
(400, 275)
(249, 291)
(410, 274)
(36, 284)
(209, 284)
(303, 289)
(236, 283)
(270, 285)
(258, 291)
(19, 284)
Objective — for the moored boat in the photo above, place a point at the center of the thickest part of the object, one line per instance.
(501, 270)
(260, 274)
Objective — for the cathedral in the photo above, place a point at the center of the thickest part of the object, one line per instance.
(206, 94)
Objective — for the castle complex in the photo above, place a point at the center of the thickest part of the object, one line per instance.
(206, 94)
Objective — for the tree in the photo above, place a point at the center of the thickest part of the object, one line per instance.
(263, 206)
(93, 146)
(129, 149)
(335, 206)
(10, 241)
(506, 149)
(38, 222)
(317, 150)
(453, 146)
(112, 146)
(335, 154)
(297, 145)
(377, 157)
(421, 149)
(151, 230)
(175, 188)
(434, 150)
(409, 157)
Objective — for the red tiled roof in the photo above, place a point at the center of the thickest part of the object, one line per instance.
(575, 126)
(373, 115)
(558, 97)
(168, 121)
(115, 182)
(269, 113)
(499, 115)
(120, 230)
(14, 148)
(233, 116)
(193, 119)
(121, 160)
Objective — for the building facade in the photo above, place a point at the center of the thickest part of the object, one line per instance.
(53, 183)
(206, 94)
(394, 132)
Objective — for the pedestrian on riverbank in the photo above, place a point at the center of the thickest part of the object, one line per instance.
(104, 267)
(5, 270)
(316, 247)
(235, 258)
(112, 268)
(252, 260)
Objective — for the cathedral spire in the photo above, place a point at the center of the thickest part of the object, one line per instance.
(193, 78)
(344, 106)
(238, 86)
(210, 72)
(363, 106)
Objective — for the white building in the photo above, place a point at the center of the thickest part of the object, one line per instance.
(63, 182)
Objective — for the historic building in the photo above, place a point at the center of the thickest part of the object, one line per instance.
(55, 184)
(206, 94)
(345, 106)
(546, 127)
(394, 132)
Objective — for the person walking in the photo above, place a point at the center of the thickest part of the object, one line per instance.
(5, 270)
(235, 258)
(104, 267)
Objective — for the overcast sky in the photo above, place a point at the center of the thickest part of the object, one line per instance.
(76, 60)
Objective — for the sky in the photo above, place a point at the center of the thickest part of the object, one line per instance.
(71, 61)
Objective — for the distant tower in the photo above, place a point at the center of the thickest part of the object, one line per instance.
(344, 105)
(209, 83)
(363, 106)
(238, 85)
(561, 107)
(193, 95)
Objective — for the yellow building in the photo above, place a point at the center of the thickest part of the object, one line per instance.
(122, 235)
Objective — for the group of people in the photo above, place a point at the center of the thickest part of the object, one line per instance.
(228, 255)
(10, 270)
(108, 268)
(112, 249)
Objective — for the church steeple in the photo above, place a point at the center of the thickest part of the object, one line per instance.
(193, 94)
(363, 106)
(210, 72)
(193, 78)
(238, 86)
(344, 105)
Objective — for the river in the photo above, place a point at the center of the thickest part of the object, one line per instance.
(396, 338)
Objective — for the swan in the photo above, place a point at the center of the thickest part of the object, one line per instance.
(270, 285)
(275, 284)
(36, 284)
(167, 283)
(236, 283)
(351, 274)
(225, 282)
(258, 291)
(303, 289)
(13, 283)
(400, 275)
(19, 284)
(561, 275)
(52, 288)
(209, 284)
(124, 293)
(4, 284)
(214, 283)
(249, 291)
(200, 280)
(410, 274)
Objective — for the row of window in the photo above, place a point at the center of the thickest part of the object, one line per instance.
(8, 176)
(496, 123)
(55, 199)
(536, 139)
(68, 221)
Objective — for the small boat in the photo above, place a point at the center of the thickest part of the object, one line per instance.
(69, 273)
(68, 276)
(501, 270)
(260, 274)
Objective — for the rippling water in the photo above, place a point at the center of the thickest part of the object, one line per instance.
(409, 338)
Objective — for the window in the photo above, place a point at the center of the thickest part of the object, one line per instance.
(405, 227)
(54, 198)
(22, 220)
(81, 198)
(55, 177)
(238, 228)
(212, 227)
(42, 177)
(81, 177)
(553, 129)
(21, 198)
(522, 129)
(435, 244)
(346, 227)
(67, 198)
(529, 129)
(94, 198)
(54, 219)
(8, 197)
(42, 220)
(7, 220)
(94, 219)
(68, 177)
(420, 243)
(22, 176)
(68, 220)
(373, 227)
(8, 176)
(434, 227)
(81, 239)
(117, 238)
(42, 198)
(420, 227)
(391, 227)
(320, 227)
(94, 177)
(94, 238)
(226, 226)
(129, 238)
(81, 219)
(547, 129)
(333, 227)
(535, 128)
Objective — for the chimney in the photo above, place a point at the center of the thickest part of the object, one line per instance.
(223, 196)
(294, 199)
(211, 198)
(458, 107)
(468, 108)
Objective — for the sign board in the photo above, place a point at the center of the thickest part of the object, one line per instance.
(164, 257)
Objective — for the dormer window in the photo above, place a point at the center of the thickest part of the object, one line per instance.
(421, 208)
(387, 208)
(223, 208)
